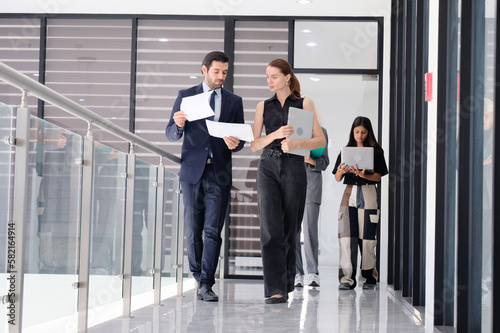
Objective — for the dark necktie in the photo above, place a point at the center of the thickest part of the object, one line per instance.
(212, 103)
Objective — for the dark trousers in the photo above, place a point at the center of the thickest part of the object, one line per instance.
(281, 191)
(205, 205)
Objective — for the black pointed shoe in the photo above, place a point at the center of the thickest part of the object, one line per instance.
(206, 293)
(277, 300)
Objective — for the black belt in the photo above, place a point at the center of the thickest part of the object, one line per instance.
(210, 160)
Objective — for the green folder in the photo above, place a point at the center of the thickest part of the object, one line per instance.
(316, 153)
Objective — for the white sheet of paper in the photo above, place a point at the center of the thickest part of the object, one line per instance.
(197, 106)
(239, 131)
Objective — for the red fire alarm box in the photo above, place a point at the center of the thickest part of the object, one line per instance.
(428, 87)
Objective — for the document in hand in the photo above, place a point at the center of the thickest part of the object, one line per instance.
(239, 131)
(302, 122)
(197, 106)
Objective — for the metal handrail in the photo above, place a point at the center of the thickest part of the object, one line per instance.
(23, 82)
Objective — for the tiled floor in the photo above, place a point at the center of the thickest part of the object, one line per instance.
(242, 309)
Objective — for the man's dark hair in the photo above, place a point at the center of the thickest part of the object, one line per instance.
(214, 56)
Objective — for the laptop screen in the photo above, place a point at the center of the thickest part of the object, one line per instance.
(302, 122)
(360, 156)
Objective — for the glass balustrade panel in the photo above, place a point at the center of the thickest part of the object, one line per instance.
(52, 227)
(143, 234)
(6, 178)
(107, 232)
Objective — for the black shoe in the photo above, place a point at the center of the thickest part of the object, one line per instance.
(369, 285)
(277, 300)
(206, 293)
(346, 286)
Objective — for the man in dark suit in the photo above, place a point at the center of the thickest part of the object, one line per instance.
(206, 171)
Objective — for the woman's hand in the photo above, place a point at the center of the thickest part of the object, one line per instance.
(283, 132)
(357, 172)
(343, 169)
(288, 145)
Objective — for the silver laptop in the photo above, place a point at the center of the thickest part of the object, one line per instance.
(360, 156)
(302, 122)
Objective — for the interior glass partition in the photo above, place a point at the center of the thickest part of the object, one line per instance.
(52, 226)
(107, 232)
(354, 95)
(488, 139)
(447, 166)
(6, 165)
(256, 44)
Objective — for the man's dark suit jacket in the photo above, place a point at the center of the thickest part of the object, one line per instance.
(197, 140)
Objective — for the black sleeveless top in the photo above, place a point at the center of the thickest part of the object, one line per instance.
(276, 116)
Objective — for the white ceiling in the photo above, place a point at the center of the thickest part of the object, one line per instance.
(205, 7)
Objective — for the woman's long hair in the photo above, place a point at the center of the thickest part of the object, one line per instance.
(370, 140)
(286, 69)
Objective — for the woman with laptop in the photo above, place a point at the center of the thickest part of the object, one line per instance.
(281, 176)
(359, 213)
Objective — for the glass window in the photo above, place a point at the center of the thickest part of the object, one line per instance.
(169, 56)
(20, 45)
(256, 44)
(336, 45)
(88, 61)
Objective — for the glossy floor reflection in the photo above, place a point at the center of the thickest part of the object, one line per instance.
(241, 309)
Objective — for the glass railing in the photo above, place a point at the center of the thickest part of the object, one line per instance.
(106, 235)
(6, 152)
(53, 222)
(97, 232)
(52, 225)
(170, 229)
(143, 240)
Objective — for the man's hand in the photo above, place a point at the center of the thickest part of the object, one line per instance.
(231, 142)
(180, 118)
